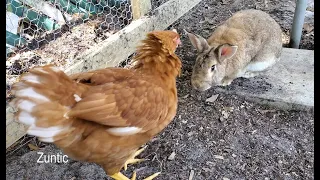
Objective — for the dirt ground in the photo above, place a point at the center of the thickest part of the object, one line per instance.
(229, 138)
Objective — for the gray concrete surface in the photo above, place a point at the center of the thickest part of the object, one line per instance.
(287, 85)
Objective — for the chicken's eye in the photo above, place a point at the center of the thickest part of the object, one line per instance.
(213, 67)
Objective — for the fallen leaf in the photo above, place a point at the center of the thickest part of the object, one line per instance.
(33, 147)
(213, 98)
(172, 155)
(307, 27)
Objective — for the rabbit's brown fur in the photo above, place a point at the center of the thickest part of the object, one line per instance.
(247, 43)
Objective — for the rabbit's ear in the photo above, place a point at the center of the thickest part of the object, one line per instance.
(226, 51)
(198, 42)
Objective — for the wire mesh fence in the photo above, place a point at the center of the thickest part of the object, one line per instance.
(39, 32)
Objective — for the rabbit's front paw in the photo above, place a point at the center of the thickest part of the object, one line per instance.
(249, 74)
(226, 82)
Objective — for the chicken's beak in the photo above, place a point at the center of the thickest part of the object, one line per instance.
(179, 43)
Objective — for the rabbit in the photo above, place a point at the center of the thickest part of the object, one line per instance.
(246, 44)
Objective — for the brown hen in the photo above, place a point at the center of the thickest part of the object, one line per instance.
(104, 116)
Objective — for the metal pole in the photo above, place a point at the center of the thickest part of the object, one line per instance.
(298, 20)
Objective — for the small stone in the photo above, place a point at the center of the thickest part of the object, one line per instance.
(185, 96)
(172, 155)
(190, 133)
(191, 175)
(225, 114)
(209, 163)
(218, 157)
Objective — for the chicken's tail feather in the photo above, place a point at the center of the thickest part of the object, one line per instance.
(43, 97)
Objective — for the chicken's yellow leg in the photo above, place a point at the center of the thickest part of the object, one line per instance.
(132, 159)
(152, 176)
(120, 176)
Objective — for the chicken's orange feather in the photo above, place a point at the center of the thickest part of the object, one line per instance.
(79, 113)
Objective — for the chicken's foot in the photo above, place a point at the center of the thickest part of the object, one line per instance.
(150, 177)
(132, 159)
(120, 176)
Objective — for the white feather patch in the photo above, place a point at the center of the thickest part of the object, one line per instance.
(26, 105)
(29, 92)
(77, 97)
(47, 140)
(45, 132)
(41, 70)
(31, 78)
(56, 69)
(124, 131)
(26, 118)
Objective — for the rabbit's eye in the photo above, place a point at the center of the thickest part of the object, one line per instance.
(213, 67)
